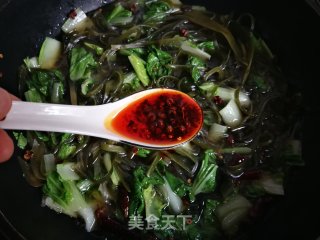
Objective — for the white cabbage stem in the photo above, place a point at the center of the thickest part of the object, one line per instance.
(227, 94)
(271, 185)
(31, 62)
(175, 202)
(217, 132)
(75, 23)
(49, 163)
(194, 51)
(66, 171)
(50, 52)
(231, 114)
(89, 218)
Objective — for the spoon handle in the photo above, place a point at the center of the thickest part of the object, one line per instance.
(55, 118)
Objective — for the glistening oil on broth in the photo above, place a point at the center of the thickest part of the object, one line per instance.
(163, 117)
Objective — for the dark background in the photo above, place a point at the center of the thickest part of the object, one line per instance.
(290, 28)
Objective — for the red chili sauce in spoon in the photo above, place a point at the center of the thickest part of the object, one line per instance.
(167, 116)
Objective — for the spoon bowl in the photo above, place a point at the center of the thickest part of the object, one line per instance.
(156, 118)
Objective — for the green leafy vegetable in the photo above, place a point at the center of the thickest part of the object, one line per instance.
(137, 201)
(209, 88)
(205, 180)
(177, 184)
(67, 137)
(209, 210)
(41, 81)
(154, 203)
(143, 192)
(32, 95)
(53, 139)
(132, 81)
(21, 139)
(139, 67)
(67, 196)
(142, 152)
(156, 11)
(119, 12)
(140, 52)
(197, 64)
(45, 86)
(82, 63)
(97, 49)
(208, 45)
(156, 63)
(66, 150)
(42, 136)
(55, 189)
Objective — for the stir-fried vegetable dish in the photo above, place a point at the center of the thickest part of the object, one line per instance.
(208, 188)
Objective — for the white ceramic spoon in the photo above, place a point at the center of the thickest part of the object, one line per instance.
(84, 120)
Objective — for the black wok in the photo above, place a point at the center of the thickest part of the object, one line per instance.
(291, 28)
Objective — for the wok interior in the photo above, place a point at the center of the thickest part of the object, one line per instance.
(285, 28)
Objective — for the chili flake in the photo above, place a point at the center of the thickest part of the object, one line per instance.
(28, 155)
(189, 221)
(184, 32)
(230, 140)
(133, 7)
(217, 100)
(73, 14)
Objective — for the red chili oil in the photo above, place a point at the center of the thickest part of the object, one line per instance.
(162, 117)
